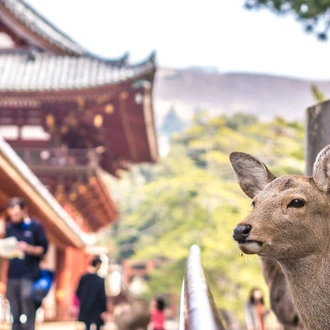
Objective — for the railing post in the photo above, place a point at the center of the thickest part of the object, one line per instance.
(198, 311)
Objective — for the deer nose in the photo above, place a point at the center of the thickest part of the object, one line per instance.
(241, 233)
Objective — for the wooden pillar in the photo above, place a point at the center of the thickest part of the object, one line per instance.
(49, 303)
(60, 284)
(317, 132)
(4, 305)
(3, 262)
(71, 264)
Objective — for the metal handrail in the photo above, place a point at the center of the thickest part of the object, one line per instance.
(197, 310)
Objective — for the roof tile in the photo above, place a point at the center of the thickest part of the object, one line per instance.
(35, 70)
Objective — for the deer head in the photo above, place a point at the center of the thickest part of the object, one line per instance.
(290, 216)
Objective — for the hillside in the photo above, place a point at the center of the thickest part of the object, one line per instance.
(264, 95)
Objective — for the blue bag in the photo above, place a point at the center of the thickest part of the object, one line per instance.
(42, 285)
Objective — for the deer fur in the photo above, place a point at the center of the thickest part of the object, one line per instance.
(132, 316)
(280, 295)
(290, 224)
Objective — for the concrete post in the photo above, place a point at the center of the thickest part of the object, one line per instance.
(317, 132)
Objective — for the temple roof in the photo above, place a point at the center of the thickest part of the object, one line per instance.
(31, 26)
(36, 31)
(32, 70)
(46, 70)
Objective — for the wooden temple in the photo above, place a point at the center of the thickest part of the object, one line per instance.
(70, 116)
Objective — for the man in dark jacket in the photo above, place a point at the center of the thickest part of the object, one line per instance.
(22, 273)
(91, 295)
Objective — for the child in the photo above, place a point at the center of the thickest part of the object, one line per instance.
(158, 314)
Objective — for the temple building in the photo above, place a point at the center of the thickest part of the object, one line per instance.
(70, 116)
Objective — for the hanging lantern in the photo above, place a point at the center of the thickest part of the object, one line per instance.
(109, 109)
(98, 121)
(50, 121)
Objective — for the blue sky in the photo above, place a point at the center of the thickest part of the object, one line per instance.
(215, 33)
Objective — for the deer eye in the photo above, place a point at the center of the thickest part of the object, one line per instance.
(253, 204)
(297, 203)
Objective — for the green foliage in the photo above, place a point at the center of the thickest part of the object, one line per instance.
(192, 197)
(314, 15)
(172, 123)
(318, 95)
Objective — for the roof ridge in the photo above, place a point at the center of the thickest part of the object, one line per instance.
(32, 69)
(22, 12)
(49, 23)
(33, 21)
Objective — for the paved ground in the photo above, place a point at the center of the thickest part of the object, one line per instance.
(171, 325)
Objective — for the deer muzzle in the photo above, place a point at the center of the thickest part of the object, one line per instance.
(241, 233)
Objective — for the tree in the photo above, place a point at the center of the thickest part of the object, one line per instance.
(172, 123)
(192, 197)
(314, 15)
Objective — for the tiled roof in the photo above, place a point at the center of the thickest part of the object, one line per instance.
(34, 22)
(35, 71)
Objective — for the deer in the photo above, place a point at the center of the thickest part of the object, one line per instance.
(133, 315)
(289, 223)
(279, 293)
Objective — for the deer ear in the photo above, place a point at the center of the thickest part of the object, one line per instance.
(252, 175)
(321, 170)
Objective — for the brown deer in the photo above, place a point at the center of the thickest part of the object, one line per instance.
(132, 316)
(280, 295)
(290, 223)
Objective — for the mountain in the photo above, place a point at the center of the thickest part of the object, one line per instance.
(192, 89)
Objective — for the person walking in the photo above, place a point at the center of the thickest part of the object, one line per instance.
(22, 273)
(92, 297)
(255, 310)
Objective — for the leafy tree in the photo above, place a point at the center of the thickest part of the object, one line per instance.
(192, 198)
(172, 123)
(241, 119)
(314, 15)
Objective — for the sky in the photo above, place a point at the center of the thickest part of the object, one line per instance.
(185, 33)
